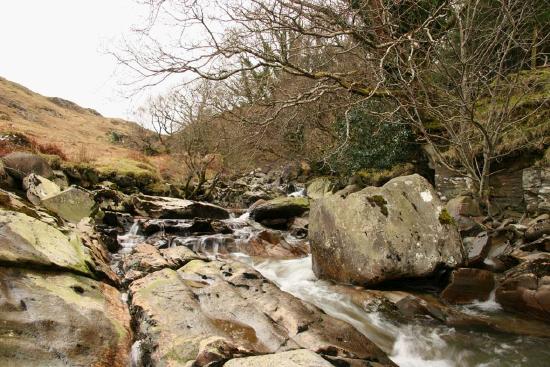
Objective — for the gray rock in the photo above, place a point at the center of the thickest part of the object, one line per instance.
(320, 187)
(294, 358)
(61, 319)
(72, 204)
(39, 188)
(536, 189)
(477, 248)
(20, 164)
(172, 208)
(380, 233)
(279, 211)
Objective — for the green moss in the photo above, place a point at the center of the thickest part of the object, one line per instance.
(378, 177)
(124, 172)
(379, 201)
(445, 217)
(301, 202)
(53, 160)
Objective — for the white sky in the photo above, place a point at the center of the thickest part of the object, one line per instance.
(56, 48)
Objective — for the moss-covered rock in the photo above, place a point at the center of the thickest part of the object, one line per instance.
(127, 174)
(28, 241)
(382, 233)
(61, 319)
(282, 208)
(72, 204)
(320, 187)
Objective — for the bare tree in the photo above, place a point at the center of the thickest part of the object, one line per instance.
(457, 63)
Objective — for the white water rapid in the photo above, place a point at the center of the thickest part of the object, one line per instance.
(410, 344)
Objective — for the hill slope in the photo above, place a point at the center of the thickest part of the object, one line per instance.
(79, 132)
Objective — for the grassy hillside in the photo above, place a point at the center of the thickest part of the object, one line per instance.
(82, 134)
(84, 139)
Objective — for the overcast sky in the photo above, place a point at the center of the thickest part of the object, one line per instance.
(56, 48)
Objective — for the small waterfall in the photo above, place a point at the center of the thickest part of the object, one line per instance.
(131, 238)
(298, 194)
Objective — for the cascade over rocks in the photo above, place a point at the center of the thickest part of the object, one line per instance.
(380, 233)
(233, 304)
(172, 208)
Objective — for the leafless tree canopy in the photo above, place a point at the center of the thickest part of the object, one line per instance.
(454, 68)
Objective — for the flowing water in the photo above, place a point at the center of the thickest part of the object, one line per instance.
(408, 343)
(412, 344)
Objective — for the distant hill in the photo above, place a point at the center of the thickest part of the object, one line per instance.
(81, 133)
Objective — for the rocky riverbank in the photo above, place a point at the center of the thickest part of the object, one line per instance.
(100, 278)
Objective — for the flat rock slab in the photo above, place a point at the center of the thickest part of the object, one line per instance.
(72, 204)
(294, 358)
(28, 241)
(160, 207)
(61, 319)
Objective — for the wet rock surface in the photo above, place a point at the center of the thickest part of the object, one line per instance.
(230, 301)
(278, 213)
(469, 285)
(526, 288)
(210, 289)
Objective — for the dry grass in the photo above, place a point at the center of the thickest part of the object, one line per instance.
(65, 131)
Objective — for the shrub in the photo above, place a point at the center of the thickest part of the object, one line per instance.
(51, 149)
(375, 140)
(15, 141)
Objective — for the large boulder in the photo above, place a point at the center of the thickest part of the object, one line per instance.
(172, 208)
(380, 233)
(20, 164)
(61, 319)
(277, 213)
(39, 188)
(72, 204)
(526, 288)
(25, 241)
